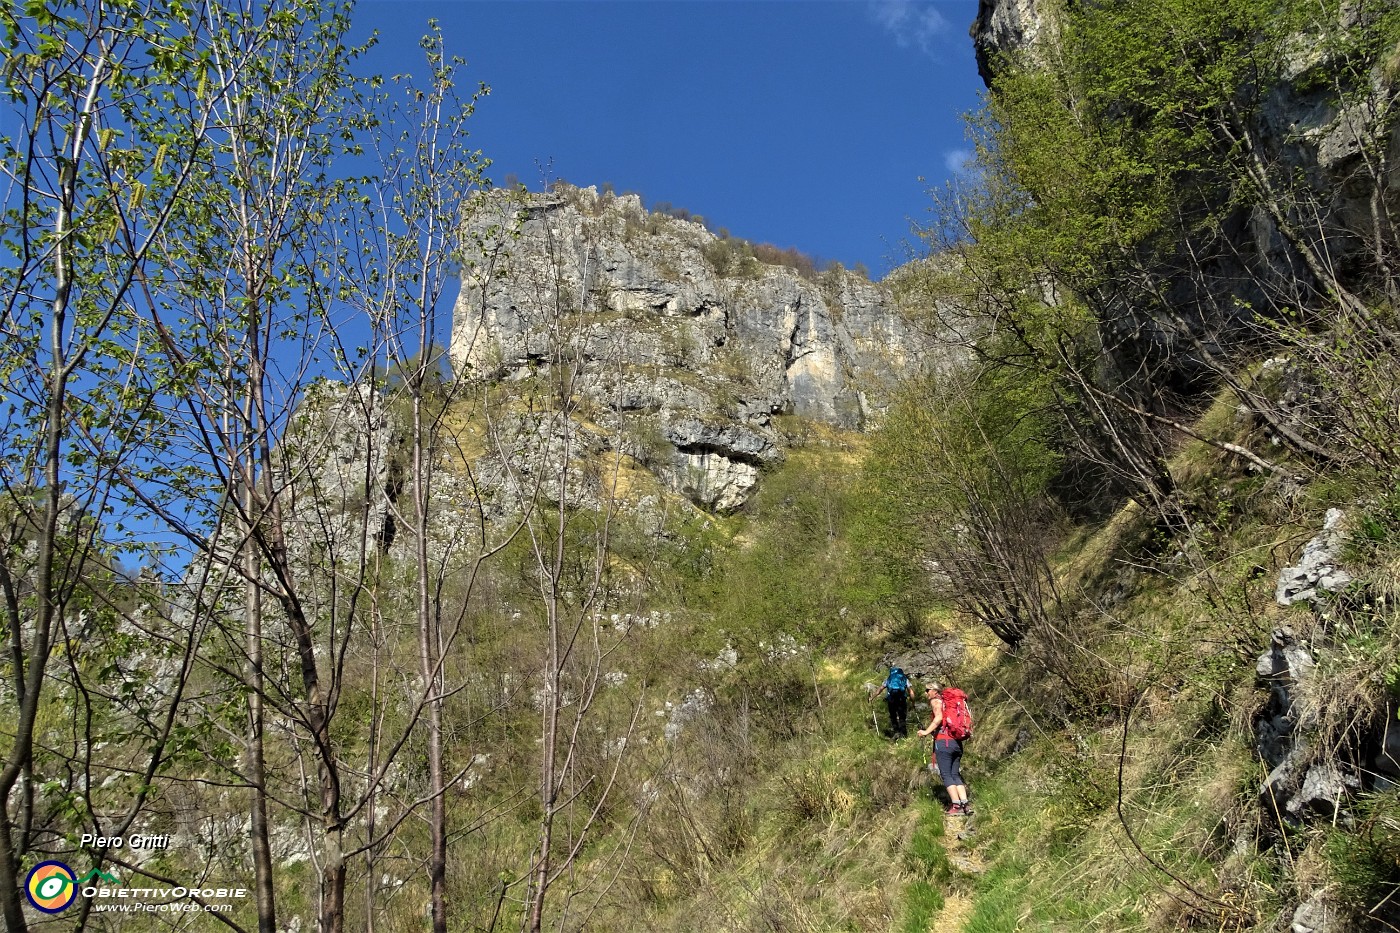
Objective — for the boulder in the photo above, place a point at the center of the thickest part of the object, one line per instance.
(1325, 786)
(1317, 914)
(935, 661)
(1318, 570)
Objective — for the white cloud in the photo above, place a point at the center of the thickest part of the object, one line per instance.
(914, 24)
(958, 161)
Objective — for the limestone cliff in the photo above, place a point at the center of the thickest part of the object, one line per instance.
(1004, 27)
(685, 336)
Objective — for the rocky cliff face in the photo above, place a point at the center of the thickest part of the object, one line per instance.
(1004, 27)
(684, 339)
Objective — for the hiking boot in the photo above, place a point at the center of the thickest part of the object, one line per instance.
(957, 809)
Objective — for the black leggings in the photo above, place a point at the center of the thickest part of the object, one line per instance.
(948, 754)
(899, 712)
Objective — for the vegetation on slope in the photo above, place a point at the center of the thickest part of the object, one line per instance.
(517, 698)
(1100, 257)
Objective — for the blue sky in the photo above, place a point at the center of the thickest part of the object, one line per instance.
(803, 123)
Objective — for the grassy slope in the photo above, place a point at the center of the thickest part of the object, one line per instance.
(840, 829)
(781, 808)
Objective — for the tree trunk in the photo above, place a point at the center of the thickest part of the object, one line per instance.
(430, 662)
(257, 772)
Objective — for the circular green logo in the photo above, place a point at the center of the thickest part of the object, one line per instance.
(51, 887)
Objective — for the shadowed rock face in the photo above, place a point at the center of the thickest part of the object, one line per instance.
(679, 338)
(1003, 27)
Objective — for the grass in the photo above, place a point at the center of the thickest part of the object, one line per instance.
(926, 856)
(1048, 825)
(998, 908)
(926, 860)
(1366, 864)
(923, 901)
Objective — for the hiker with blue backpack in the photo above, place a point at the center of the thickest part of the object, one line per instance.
(898, 692)
(950, 724)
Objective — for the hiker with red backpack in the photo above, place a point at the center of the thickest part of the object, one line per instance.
(950, 724)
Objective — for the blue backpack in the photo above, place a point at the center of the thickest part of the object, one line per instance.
(897, 682)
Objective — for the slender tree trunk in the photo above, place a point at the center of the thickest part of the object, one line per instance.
(549, 737)
(430, 661)
(333, 866)
(253, 422)
(13, 838)
(372, 758)
(318, 701)
(257, 771)
(551, 573)
(31, 677)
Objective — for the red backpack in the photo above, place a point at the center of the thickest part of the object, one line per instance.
(957, 718)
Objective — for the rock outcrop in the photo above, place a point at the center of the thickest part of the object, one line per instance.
(1004, 27)
(1318, 570)
(338, 463)
(1303, 779)
(683, 343)
(1300, 782)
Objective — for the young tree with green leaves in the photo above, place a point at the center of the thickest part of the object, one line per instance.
(967, 460)
(409, 239)
(113, 127)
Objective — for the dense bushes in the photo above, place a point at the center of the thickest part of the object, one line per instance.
(964, 463)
